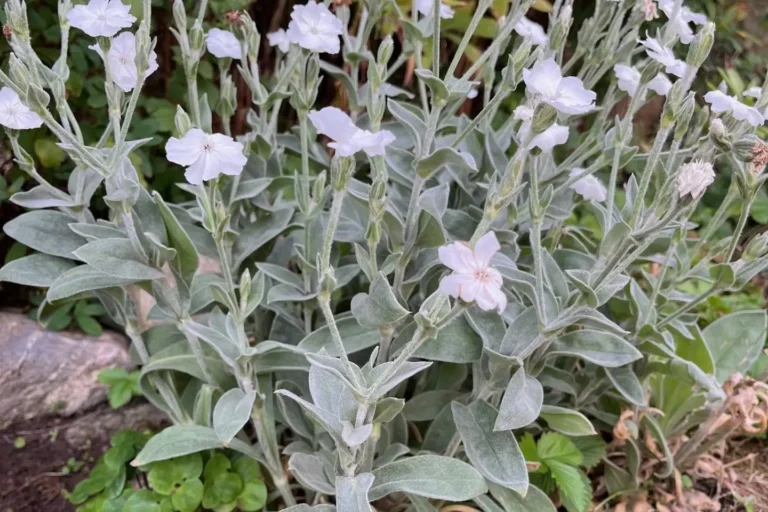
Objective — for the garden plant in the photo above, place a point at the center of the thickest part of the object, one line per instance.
(412, 304)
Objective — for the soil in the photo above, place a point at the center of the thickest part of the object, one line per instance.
(33, 478)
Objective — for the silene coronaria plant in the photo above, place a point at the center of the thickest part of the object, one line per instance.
(406, 308)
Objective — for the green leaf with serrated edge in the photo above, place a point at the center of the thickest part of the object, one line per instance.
(495, 454)
(522, 402)
(567, 421)
(40, 270)
(431, 476)
(573, 486)
(592, 449)
(557, 447)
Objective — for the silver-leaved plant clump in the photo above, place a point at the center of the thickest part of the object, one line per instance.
(402, 300)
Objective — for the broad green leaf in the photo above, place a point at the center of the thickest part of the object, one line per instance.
(431, 476)
(259, 233)
(352, 493)
(232, 412)
(522, 402)
(426, 406)
(188, 496)
(187, 259)
(379, 307)
(253, 497)
(627, 383)
(556, 447)
(179, 440)
(601, 348)
(35, 270)
(495, 454)
(574, 487)
(735, 341)
(45, 231)
(116, 257)
(592, 449)
(354, 336)
(567, 421)
(82, 279)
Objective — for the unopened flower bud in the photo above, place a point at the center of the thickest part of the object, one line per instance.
(701, 45)
(342, 168)
(720, 136)
(37, 98)
(19, 73)
(180, 16)
(743, 147)
(756, 248)
(318, 187)
(245, 288)
(182, 121)
(327, 281)
(196, 39)
(543, 118)
(683, 116)
(386, 48)
(301, 191)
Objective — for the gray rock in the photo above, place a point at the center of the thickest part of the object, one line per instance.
(104, 422)
(45, 373)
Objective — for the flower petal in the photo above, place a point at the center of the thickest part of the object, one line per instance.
(485, 248)
(457, 256)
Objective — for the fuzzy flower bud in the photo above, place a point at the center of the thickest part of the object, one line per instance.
(386, 48)
(694, 178)
(720, 136)
(342, 168)
(743, 147)
(182, 121)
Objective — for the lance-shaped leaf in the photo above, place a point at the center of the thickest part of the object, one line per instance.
(600, 348)
(627, 383)
(495, 454)
(352, 493)
(521, 403)
(440, 158)
(311, 471)
(187, 260)
(35, 270)
(535, 500)
(45, 231)
(567, 421)
(232, 412)
(116, 257)
(378, 307)
(431, 476)
(179, 440)
(82, 279)
(354, 336)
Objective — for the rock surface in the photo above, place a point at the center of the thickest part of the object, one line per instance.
(46, 373)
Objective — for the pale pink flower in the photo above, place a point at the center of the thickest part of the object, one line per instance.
(473, 278)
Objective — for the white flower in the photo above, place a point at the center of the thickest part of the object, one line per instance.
(473, 279)
(101, 17)
(753, 92)
(694, 178)
(315, 28)
(121, 59)
(280, 39)
(589, 187)
(629, 78)
(567, 95)
(682, 20)
(660, 84)
(14, 114)
(664, 56)
(222, 44)
(532, 31)
(425, 8)
(549, 138)
(721, 102)
(348, 138)
(472, 94)
(206, 156)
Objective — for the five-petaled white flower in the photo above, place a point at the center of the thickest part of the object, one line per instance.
(280, 39)
(754, 92)
(473, 278)
(629, 80)
(721, 102)
(315, 28)
(694, 178)
(121, 60)
(103, 18)
(567, 95)
(589, 187)
(14, 114)
(222, 44)
(532, 31)
(348, 139)
(206, 155)
(682, 20)
(549, 138)
(665, 56)
(425, 8)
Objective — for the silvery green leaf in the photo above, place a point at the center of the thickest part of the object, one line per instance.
(202, 412)
(311, 472)
(409, 118)
(494, 454)
(281, 275)
(179, 440)
(232, 412)
(555, 277)
(431, 476)
(150, 217)
(45, 231)
(406, 370)
(248, 189)
(116, 257)
(426, 406)
(352, 493)
(644, 312)
(521, 336)
(653, 427)
(82, 279)
(287, 293)
(489, 325)
(400, 164)
(43, 197)
(179, 357)
(355, 436)
(585, 316)
(293, 415)
(616, 236)
(567, 421)
(93, 232)
(354, 337)
(389, 263)
(440, 432)
(303, 507)
(201, 295)
(324, 418)
(387, 408)
(256, 294)
(558, 380)
(363, 260)
(454, 343)
(626, 382)
(259, 233)
(345, 274)
(497, 159)
(82, 184)
(600, 348)
(443, 157)
(226, 347)
(580, 279)
(187, 260)
(343, 78)
(535, 500)
(39, 270)
(610, 288)
(347, 371)
(436, 86)
(735, 341)
(332, 394)
(522, 402)
(393, 452)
